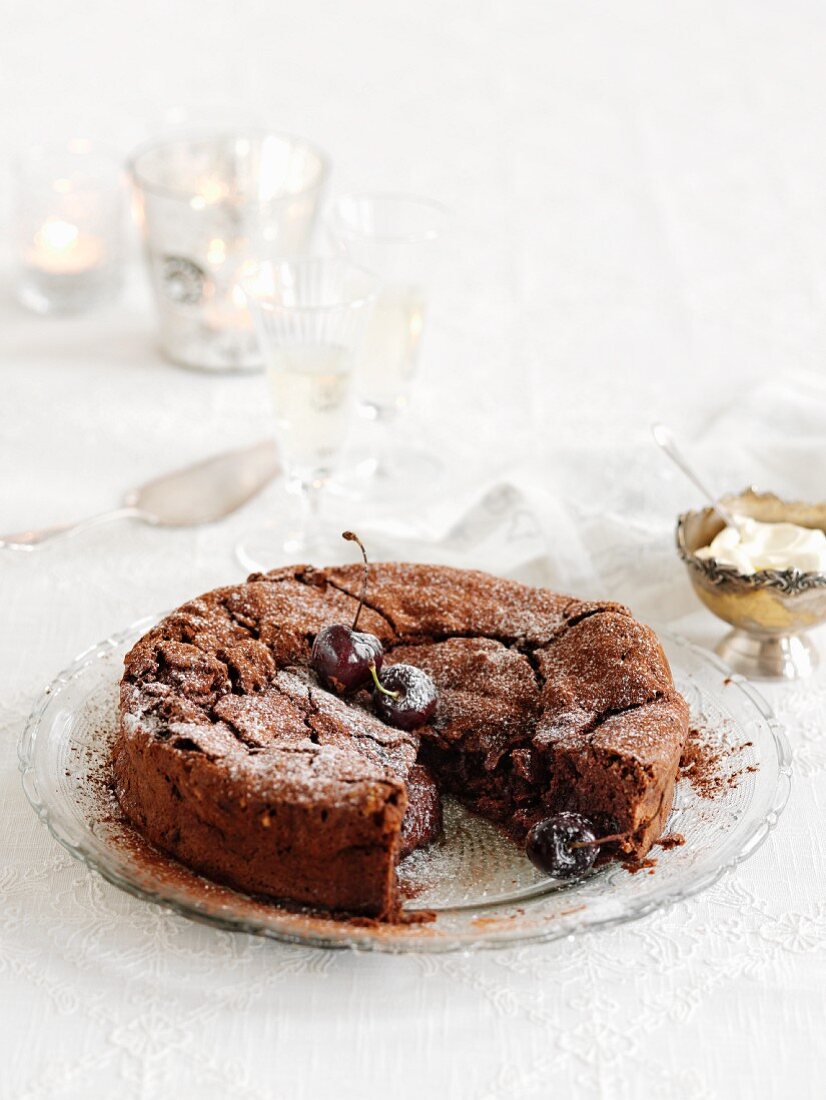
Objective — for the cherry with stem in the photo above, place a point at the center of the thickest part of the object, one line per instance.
(600, 840)
(351, 536)
(344, 657)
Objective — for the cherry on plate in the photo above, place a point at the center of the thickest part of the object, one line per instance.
(563, 845)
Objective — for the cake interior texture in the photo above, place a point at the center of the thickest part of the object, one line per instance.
(235, 759)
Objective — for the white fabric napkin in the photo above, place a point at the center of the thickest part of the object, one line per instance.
(601, 522)
(774, 438)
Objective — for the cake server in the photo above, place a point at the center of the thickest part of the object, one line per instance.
(202, 493)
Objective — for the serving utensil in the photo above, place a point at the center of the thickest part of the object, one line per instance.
(664, 438)
(202, 493)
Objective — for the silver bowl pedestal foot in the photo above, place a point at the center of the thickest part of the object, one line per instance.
(769, 656)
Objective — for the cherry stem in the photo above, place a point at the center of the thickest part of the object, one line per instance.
(379, 686)
(599, 840)
(351, 537)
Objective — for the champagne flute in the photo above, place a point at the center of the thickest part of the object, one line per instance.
(309, 316)
(399, 238)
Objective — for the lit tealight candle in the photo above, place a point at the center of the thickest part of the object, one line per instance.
(229, 313)
(60, 248)
(68, 227)
(208, 193)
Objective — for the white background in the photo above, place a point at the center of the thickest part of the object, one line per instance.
(640, 192)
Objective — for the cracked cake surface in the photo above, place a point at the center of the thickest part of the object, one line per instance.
(235, 759)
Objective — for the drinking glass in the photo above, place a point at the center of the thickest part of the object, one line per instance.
(68, 226)
(399, 238)
(209, 207)
(309, 317)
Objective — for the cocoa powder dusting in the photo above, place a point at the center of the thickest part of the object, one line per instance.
(159, 872)
(708, 767)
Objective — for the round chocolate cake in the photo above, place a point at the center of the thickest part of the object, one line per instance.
(233, 757)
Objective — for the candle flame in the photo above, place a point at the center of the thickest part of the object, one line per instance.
(56, 235)
(216, 251)
(209, 191)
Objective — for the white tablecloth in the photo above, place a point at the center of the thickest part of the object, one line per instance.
(642, 233)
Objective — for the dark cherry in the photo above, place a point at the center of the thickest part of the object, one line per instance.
(405, 697)
(344, 657)
(563, 845)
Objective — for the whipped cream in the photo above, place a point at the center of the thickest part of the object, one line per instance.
(755, 546)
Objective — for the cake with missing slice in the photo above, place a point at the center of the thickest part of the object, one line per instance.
(235, 758)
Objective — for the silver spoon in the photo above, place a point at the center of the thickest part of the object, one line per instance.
(664, 439)
(202, 493)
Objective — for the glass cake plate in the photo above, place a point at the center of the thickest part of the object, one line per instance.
(482, 889)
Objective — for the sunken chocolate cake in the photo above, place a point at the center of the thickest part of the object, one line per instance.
(233, 756)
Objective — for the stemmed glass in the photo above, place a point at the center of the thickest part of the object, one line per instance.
(399, 238)
(309, 316)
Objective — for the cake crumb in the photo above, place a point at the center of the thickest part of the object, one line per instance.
(634, 866)
(671, 840)
(707, 766)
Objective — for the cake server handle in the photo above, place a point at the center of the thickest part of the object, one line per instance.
(31, 540)
(665, 440)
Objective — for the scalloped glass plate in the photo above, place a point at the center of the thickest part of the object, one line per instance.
(482, 889)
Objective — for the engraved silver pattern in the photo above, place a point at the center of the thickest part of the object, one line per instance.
(182, 280)
(789, 581)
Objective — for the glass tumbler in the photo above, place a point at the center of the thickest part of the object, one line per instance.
(310, 317)
(209, 207)
(68, 226)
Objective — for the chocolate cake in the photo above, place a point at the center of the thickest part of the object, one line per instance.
(234, 758)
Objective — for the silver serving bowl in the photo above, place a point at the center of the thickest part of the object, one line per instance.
(770, 610)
